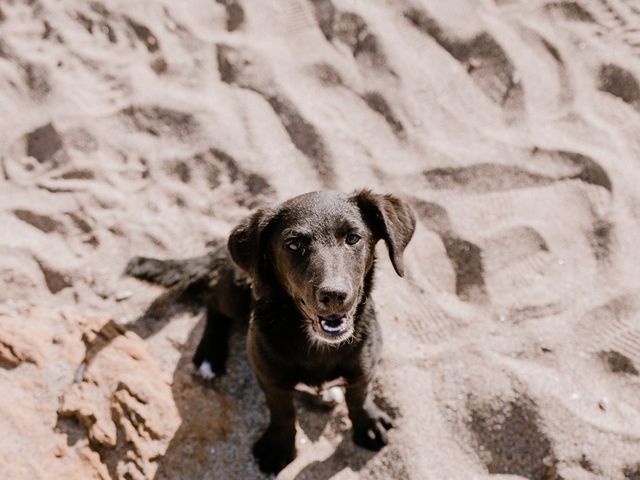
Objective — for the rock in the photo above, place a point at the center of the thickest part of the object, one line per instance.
(114, 423)
(125, 405)
(19, 344)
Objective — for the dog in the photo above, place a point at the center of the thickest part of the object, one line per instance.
(301, 274)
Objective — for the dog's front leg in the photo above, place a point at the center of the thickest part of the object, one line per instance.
(370, 424)
(276, 447)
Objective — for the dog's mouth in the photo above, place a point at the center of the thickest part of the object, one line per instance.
(329, 329)
(333, 328)
(334, 324)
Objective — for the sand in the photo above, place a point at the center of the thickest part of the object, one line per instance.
(512, 347)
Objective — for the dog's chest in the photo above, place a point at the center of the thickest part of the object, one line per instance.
(318, 370)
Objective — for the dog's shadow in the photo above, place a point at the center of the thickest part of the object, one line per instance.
(346, 455)
(220, 419)
(317, 421)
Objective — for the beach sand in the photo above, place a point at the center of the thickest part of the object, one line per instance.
(512, 347)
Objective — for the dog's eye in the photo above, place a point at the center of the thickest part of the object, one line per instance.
(296, 246)
(352, 239)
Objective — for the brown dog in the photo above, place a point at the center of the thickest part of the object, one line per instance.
(308, 273)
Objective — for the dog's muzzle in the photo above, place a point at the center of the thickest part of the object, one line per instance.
(334, 324)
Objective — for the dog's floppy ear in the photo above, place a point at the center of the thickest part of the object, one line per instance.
(246, 246)
(390, 218)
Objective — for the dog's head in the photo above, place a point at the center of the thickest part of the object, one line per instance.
(319, 247)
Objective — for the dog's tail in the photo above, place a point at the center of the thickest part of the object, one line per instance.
(171, 273)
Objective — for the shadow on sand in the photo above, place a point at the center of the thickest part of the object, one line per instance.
(220, 419)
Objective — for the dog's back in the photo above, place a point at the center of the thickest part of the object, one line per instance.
(212, 279)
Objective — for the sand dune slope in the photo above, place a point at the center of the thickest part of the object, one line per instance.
(512, 348)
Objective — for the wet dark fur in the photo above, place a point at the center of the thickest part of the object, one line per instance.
(280, 348)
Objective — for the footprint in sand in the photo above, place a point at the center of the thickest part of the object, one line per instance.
(82, 223)
(160, 121)
(613, 327)
(601, 238)
(251, 189)
(44, 223)
(510, 440)
(144, 34)
(376, 102)
(483, 178)
(325, 13)
(620, 83)
(570, 11)
(328, 76)
(246, 70)
(35, 75)
(465, 257)
(45, 144)
(602, 12)
(510, 245)
(352, 30)
(618, 363)
(54, 279)
(37, 79)
(148, 39)
(97, 26)
(494, 177)
(619, 19)
(235, 14)
(40, 151)
(482, 56)
(632, 473)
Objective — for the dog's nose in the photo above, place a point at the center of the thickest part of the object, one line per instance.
(329, 296)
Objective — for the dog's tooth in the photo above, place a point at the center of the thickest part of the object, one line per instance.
(205, 371)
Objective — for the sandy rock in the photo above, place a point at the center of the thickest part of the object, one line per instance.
(19, 344)
(124, 403)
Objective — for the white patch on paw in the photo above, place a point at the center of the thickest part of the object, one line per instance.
(333, 395)
(205, 371)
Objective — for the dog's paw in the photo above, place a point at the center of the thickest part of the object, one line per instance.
(208, 367)
(205, 371)
(370, 430)
(332, 396)
(274, 451)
